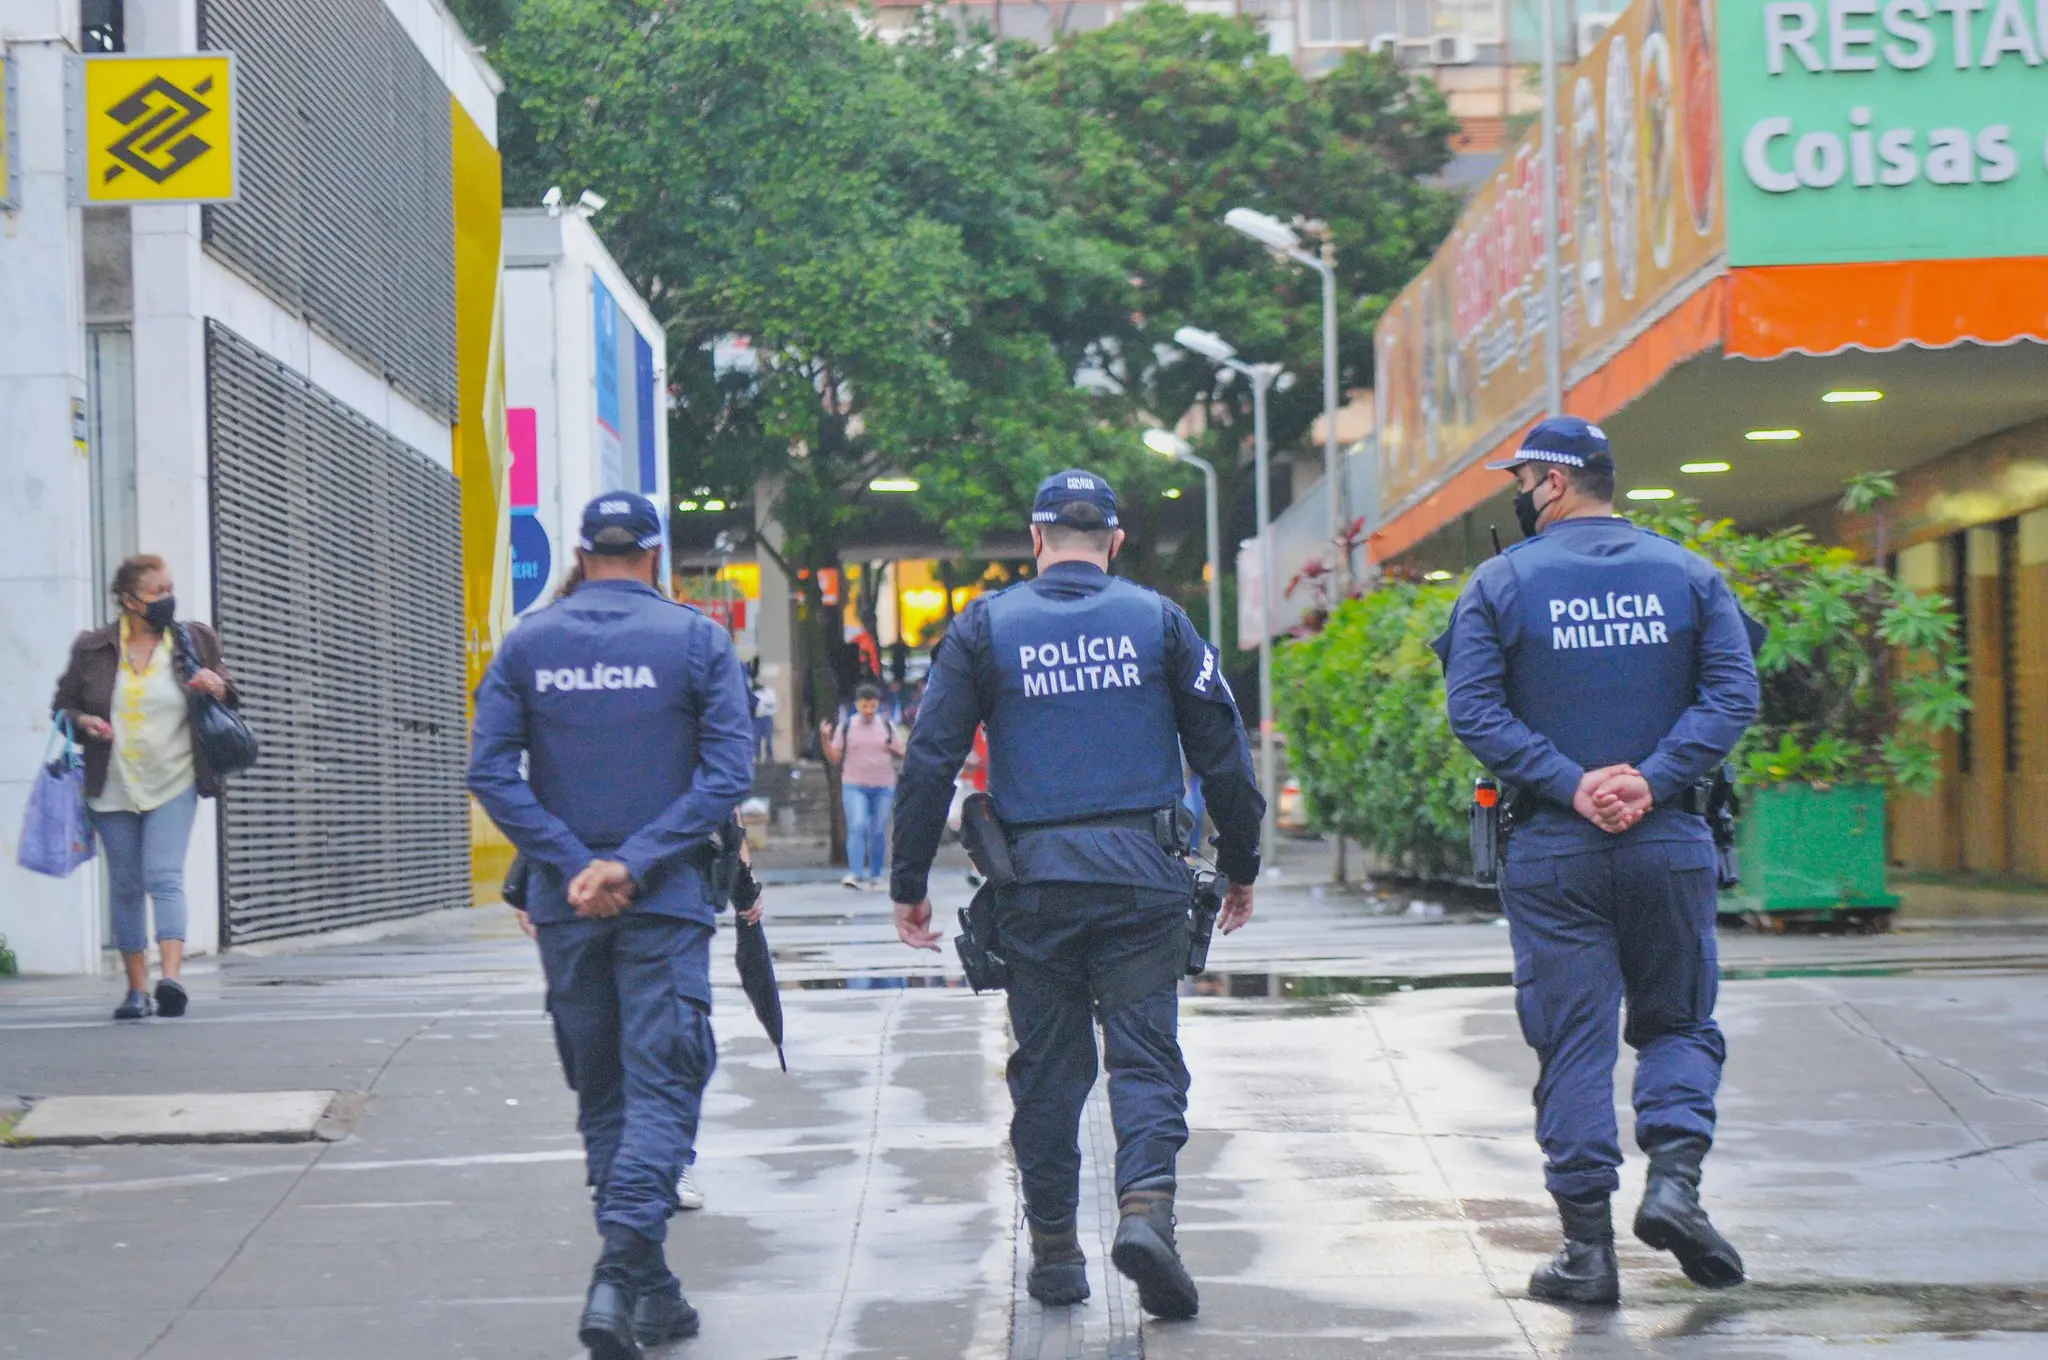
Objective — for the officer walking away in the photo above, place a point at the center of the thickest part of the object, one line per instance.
(630, 714)
(1091, 687)
(1604, 673)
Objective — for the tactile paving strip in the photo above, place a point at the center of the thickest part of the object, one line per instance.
(1107, 1326)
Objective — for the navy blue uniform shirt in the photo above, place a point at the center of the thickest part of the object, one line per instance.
(1596, 643)
(630, 716)
(966, 684)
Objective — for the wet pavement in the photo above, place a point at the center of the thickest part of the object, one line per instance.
(1361, 1180)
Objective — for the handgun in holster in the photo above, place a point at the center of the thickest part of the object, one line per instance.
(980, 953)
(1722, 808)
(1208, 905)
(724, 869)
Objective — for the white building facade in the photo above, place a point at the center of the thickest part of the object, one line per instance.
(586, 391)
(265, 394)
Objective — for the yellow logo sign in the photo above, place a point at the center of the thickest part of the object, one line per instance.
(159, 129)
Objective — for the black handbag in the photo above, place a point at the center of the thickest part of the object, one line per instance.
(218, 732)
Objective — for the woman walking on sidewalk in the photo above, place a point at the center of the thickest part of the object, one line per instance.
(866, 747)
(125, 691)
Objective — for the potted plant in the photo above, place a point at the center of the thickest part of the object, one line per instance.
(1860, 676)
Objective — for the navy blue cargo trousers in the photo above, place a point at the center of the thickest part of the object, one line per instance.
(629, 996)
(1591, 930)
(1078, 951)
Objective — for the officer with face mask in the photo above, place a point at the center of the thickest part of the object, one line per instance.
(1604, 673)
(629, 714)
(1091, 688)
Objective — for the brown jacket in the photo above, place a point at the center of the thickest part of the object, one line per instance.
(87, 688)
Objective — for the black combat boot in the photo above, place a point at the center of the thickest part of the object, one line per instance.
(1672, 1220)
(662, 1315)
(1059, 1271)
(607, 1326)
(1585, 1271)
(1144, 1251)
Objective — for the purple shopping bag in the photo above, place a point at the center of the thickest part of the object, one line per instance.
(56, 832)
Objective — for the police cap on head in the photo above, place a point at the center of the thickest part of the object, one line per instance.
(620, 522)
(1565, 440)
(1073, 487)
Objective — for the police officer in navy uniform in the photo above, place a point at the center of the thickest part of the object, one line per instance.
(1091, 688)
(1603, 672)
(630, 715)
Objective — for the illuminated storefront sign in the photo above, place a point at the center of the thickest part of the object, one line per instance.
(1872, 130)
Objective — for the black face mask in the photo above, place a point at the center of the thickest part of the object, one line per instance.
(159, 613)
(1526, 512)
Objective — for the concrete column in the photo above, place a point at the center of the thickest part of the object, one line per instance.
(2030, 679)
(1984, 787)
(775, 633)
(52, 925)
(173, 504)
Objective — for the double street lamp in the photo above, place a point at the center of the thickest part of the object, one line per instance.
(1170, 445)
(1218, 351)
(1282, 240)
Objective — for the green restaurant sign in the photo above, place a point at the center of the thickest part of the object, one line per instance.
(1859, 130)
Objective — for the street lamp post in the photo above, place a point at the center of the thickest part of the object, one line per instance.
(1171, 445)
(1215, 349)
(1282, 240)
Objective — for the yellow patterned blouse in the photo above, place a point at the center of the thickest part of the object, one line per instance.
(152, 757)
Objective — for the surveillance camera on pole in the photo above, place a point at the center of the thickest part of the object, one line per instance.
(552, 200)
(590, 203)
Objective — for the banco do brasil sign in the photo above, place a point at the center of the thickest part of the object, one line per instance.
(1860, 130)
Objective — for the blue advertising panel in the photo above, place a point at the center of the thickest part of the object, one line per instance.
(643, 394)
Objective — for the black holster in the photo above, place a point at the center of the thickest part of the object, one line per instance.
(1722, 809)
(1208, 905)
(980, 952)
(986, 843)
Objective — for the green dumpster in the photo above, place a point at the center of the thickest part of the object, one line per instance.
(1812, 852)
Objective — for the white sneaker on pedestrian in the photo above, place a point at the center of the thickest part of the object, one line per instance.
(688, 1196)
(851, 881)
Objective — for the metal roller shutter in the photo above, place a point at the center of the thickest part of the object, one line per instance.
(338, 589)
(346, 204)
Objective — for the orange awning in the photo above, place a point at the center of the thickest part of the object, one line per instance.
(1828, 308)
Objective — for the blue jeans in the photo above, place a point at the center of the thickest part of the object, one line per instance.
(764, 736)
(867, 828)
(146, 859)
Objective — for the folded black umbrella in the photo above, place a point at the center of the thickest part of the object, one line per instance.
(757, 968)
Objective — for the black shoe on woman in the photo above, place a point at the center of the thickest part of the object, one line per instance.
(170, 998)
(135, 1007)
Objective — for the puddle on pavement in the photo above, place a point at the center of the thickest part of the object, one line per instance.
(1865, 1310)
(867, 983)
(1317, 986)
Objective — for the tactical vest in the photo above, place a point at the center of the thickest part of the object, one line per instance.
(1082, 723)
(1604, 661)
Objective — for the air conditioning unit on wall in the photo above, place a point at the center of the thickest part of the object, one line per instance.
(1592, 28)
(1451, 49)
(1388, 43)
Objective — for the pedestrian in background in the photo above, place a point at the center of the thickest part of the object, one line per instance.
(865, 746)
(1604, 673)
(1091, 689)
(766, 706)
(611, 743)
(125, 691)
